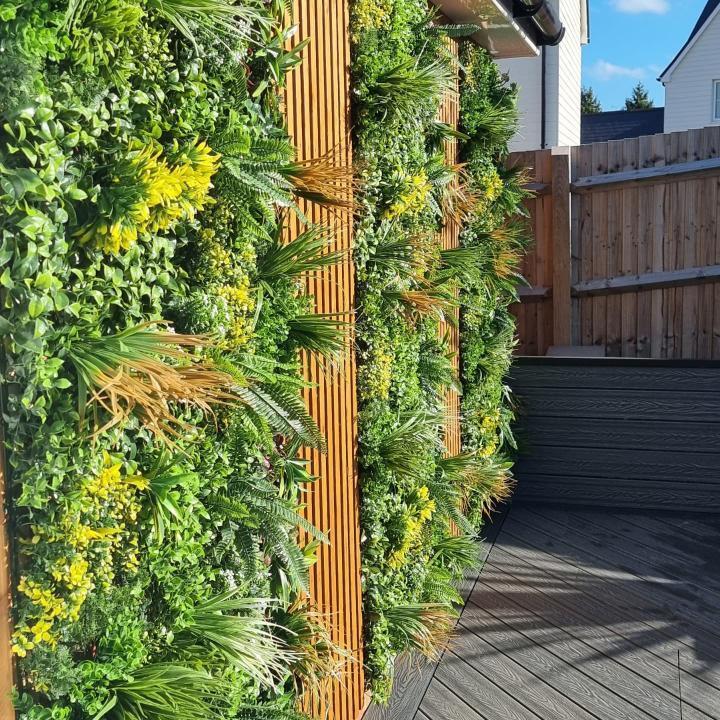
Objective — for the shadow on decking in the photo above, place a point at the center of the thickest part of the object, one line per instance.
(579, 615)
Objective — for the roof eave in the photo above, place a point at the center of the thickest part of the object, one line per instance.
(670, 69)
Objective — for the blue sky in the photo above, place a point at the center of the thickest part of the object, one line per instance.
(633, 40)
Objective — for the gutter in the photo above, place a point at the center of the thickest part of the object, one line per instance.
(548, 26)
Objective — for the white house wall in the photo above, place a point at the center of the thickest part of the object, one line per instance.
(527, 74)
(689, 91)
(563, 85)
(569, 79)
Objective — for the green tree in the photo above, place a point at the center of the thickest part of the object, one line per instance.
(589, 103)
(640, 99)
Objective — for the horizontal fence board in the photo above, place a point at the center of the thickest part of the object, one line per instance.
(622, 434)
(618, 404)
(648, 281)
(617, 493)
(684, 171)
(618, 433)
(604, 376)
(630, 463)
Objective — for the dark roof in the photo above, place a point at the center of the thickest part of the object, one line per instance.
(621, 124)
(709, 9)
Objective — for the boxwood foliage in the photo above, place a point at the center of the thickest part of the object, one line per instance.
(150, 374)
(421, 511)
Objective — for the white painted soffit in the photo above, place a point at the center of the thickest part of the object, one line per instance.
(501, 35)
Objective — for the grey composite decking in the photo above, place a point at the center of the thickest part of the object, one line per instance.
(618, 432)
(582, 615)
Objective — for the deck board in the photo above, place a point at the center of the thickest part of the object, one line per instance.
(581, 615)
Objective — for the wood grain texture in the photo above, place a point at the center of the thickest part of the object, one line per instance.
(615, 596)
(617, 377)
(442, 703)
(643, 223)
(507, 632)
(480, 692)
(412, 678)
(581, 615)
(562, 264)
(535, 320)
(317, 103)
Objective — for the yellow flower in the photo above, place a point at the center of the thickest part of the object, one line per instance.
(169, 193)
(93, 536)
(371, 15)
(413, 199)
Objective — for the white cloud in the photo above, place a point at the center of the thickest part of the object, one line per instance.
(604, 70)
(659, 7)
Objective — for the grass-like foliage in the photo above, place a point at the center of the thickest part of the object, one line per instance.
(236, 631)
(415, 496)
(166, 691)
(125, 374)
(404, 447)
(306, 253)
(323, 335)
(423, 627)
(233, 20)
(399, 90)
(316, 657)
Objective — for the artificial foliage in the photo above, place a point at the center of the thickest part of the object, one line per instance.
(151, 325)
(421, 511)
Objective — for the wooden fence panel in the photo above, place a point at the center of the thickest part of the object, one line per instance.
(642, 210)
(535, 314)
(318, 116)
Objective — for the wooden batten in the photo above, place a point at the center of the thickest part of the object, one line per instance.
(317, 103)
(660, 174)
(450, 238)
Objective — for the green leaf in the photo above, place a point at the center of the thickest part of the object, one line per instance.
(43, 281)
(36, 307)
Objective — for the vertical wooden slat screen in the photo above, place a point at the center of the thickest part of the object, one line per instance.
(450, 238)
(318, 116)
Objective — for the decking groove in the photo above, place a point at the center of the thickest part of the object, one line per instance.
(651, 596)
(626, 684)
(527, 687)
(480, 691)
(575, 617)
(650, 565)
(552, 669)
(605, 643)
(442, 703)
(672, 557)
(655, 637)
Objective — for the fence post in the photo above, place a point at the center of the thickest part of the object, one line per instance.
(562, 260)
(6, 662)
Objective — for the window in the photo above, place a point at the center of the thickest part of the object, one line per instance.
(716, 100)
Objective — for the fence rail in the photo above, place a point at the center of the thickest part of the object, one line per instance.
(627, 248)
